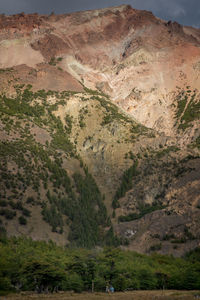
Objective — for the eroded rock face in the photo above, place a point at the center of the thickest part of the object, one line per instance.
(136, 58)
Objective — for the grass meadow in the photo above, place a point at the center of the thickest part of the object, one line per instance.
(133, 295)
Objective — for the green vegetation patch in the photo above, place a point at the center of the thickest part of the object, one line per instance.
(163, 152)
(187, 113)
(182, 99)
(191, 114)
(87, 213)
(196, 143)
(42, 267)
(143, 210)
(6, 70)
(126, 184)
(55, 60)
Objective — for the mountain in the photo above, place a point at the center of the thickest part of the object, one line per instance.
(99, 129)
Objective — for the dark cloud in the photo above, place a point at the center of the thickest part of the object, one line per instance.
(183, 11)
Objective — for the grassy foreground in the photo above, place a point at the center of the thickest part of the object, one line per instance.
(134, 295)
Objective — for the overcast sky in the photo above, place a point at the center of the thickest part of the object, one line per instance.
(186, 12)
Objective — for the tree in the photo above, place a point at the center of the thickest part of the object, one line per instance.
(42, 275)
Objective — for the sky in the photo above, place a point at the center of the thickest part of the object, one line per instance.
(185, 12)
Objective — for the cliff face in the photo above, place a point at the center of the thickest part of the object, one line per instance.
(150, 70)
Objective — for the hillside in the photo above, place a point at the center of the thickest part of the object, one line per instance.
(99, 130)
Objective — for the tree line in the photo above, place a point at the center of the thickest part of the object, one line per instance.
(27, 265)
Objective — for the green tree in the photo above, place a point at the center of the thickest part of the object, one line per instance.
(41, 275)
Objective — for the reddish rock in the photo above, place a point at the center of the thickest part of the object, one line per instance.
(116, 49)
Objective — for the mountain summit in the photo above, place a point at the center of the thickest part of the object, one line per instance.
(136, 58)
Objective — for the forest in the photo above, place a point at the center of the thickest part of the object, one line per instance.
(27, 265)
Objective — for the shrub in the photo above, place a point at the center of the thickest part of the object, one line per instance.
(155, 247)
(22, 220)
(9, 214)
(3, 203)
(30, 200)
(26, 212)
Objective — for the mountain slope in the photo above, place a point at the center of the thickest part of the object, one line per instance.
(100, 129)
